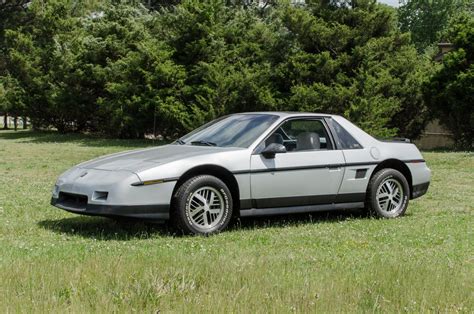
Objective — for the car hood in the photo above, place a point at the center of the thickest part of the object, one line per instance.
(140, 160)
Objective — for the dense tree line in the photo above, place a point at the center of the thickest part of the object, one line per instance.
(450, 92)
(427, 20)
(127, 69)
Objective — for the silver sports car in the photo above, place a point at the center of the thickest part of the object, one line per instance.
(250, 164)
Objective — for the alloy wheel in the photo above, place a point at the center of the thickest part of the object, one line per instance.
(390, 195)
(205, 207)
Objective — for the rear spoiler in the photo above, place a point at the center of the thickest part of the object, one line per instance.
(395, 139)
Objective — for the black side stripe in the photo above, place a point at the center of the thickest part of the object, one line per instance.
(305, 167)
(353, 164)
(289, 169)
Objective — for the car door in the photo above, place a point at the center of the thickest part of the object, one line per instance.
(309, 173)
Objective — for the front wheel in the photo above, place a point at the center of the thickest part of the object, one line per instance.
(387, 194)
(202, 205)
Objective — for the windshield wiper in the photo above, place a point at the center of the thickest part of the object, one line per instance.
(180, 142)
(203, 143)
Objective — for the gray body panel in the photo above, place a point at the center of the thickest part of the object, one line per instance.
(296, 174)
(295, 181)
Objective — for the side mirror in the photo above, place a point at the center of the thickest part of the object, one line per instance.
(272, 149)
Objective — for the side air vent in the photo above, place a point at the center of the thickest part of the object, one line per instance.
(360, 173)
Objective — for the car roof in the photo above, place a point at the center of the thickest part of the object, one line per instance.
(285, 114)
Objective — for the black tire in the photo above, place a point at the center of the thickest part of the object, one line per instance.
(185, 197)
(380, 183)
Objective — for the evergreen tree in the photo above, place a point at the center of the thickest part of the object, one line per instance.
(450, 93)
(427, 19)
(124, 70)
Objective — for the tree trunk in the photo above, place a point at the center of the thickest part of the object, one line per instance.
(25, 123)
(5, 121)
(15, 123)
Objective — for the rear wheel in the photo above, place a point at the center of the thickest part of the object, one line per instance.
(202, 205)
(387, 194)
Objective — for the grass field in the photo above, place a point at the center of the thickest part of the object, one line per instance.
(51, 260)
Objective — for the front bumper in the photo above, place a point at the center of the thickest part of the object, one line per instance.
(155, 212)
(111, 193)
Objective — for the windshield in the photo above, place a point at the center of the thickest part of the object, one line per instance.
(239, 130)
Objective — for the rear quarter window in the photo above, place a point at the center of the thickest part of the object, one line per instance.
(344, 138)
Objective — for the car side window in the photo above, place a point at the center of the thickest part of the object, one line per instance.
(345, 140)
(301, 135)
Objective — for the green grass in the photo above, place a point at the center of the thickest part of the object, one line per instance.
(51, 260)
